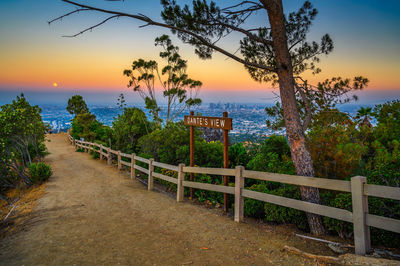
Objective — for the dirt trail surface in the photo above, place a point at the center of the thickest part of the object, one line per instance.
(93, 214)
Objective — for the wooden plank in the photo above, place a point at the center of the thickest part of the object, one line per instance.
(141, 169)
(382, 191)
(126, 163)
(210, 187)
(336, 213)
(126, 155)
(166, 166)
(339, 185)
(115, 152)
(166, 178)
(385, 223)
(104, 153)
(143, 160)
(210, 171)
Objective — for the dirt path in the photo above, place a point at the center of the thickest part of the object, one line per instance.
(92, 214)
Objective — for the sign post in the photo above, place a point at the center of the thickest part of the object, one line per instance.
(191, 154)
(226, 161)
(223, 123)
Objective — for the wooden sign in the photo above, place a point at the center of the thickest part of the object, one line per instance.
(207, 121)
(224, 123)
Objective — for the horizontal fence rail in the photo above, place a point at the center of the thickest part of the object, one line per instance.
(358, 188)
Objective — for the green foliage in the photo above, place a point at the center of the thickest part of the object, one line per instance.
(315, 101)
(164, 145)
(388, 118)
(205, 195)
(273, 156)
(276, 213)
(128, 128)
(255, 208)
(238, 155)
(39, 172)
(380, 163)
(82, 126)
(76, 105)
(334, 144)
(206, 154)
(341, 201)
(87, 127)
(95, 155)
(22, 137)
(381, 207)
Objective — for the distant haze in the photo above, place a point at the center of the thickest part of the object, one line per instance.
(366, 97)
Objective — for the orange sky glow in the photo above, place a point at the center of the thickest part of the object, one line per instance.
(34, 56)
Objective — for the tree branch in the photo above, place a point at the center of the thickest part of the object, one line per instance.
(159, 24)
(92, 27)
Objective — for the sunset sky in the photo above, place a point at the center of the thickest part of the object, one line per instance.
(34, 56)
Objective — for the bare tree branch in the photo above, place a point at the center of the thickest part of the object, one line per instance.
(92, 27)
(149, 21)
(68, 14)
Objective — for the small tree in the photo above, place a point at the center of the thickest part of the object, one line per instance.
(76, 105)
(364, 116)
(128, 128)
(179, 90)
(121, 101)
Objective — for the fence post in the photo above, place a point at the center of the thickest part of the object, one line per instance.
(362, 241)
(101, 150)
(239, 185)
(150, 180)
(133, 170)
(90, 147)
(85, 146)
(109, 156)
(180, 189)
(119, 160)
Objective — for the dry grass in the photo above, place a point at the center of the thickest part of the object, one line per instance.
(25, 201)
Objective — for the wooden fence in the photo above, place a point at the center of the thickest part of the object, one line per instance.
(358, 188)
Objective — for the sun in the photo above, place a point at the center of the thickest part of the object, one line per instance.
(55, 84)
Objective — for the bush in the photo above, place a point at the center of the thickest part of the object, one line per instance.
(255, 208)
(380, 207)
(95, 155)
(39, 172)
(279, 214)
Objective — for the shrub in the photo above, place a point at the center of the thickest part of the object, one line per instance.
(279, 214)
(39, 172)
(381, 207)
(95, 155)
(204, 195)
(255, 208)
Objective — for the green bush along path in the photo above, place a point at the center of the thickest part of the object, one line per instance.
(93, 214)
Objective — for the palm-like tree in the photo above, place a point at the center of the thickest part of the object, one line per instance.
(364, 116)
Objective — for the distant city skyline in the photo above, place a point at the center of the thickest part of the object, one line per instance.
(35, 57)
(366, 97)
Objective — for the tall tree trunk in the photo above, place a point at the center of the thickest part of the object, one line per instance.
(294, 130)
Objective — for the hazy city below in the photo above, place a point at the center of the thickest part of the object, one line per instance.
(249, 120)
